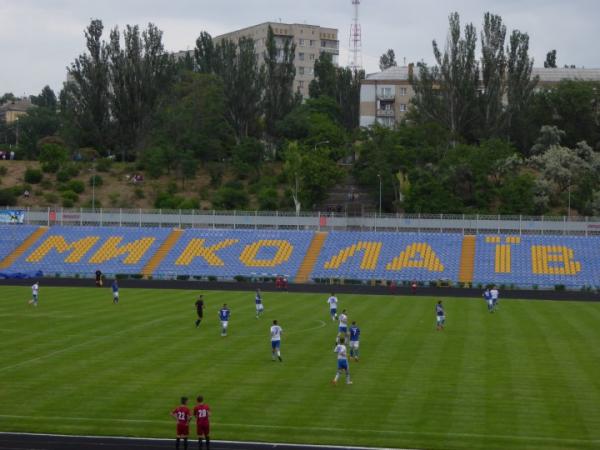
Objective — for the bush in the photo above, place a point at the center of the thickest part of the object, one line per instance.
(76, 186)
(63, 176)
(96, 180)
(189, 203)
(103, 165)
(70, 195)
(216, 171)
(67, 203)
(33, 176)
(114, 198)
(268, 199)
(51, 198)
(7, 197)
(139, 193)
(46, 184)
(228, 197)
(3, 170)
(50, 166)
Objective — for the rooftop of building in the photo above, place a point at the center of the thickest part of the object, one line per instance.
(401, 73)
(275, 25)
(21, 104)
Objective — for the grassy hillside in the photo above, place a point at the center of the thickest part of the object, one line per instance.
(523, 378)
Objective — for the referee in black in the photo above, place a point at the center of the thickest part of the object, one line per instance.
(199, 310)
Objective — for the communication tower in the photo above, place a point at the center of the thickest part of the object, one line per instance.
(354, 53)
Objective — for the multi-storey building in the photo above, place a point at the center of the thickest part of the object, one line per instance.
(385, 96)
(12, 110)
(310, 40)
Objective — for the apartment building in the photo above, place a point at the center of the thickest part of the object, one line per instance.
(310, 40)
(385, 96)
(12, 110)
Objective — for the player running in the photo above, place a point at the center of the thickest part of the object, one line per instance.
(202, 413)
(332, 300)
(259, 305)
(276, 331)
(342, 362)
(182, 415)
(115, 291)
(487, 295)
(354, 341)
(199, 309)
(224, 314)
(440, 316)
(495, 294)
(343, 324)
(35, 289)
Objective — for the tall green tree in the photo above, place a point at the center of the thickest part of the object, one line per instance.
(140, 70)
(387, 60)
(205, 54)
(279, 79)
(550, 62)
(46, 99)
(325, 81)
(35, 125)
(447, 93)
(520, 87)
(493, 69)
(85, 100)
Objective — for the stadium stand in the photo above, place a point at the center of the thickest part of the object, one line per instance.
(389, 256)
(301, 256)
(231, 253)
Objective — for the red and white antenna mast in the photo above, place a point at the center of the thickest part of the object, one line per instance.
(354, 54)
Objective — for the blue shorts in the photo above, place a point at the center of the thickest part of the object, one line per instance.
(343, 329)
(333, 311)
(342, 364)
(275, 344)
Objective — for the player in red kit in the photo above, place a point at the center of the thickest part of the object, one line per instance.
(183, 416)
(202, 413)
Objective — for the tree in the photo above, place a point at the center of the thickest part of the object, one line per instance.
(325, 81)
(139, 72)
(46, 99)
(85, 97)
(279, 79)
(387, 60)
(550, 136)
(550, 62)
(191, 117)
(204, 54)
(520, 88)
(493, 68)
(447, 93)
(35, 125)
(7, 97)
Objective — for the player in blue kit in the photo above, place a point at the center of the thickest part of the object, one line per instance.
(332, 300)
(276, 341)
(115, 291)
(487, 296)
(440, 316)
(342, 362)
(259, 305)
(224, 314)
(354, 341)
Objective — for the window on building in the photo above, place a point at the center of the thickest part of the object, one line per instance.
(402, 107)
(310, 70)
(403, 92)
(301, 84)
(386, 92)
(311, 57)
(301, 42)
(301, 70)
(323, 43)
(301, 56)
(311, 43)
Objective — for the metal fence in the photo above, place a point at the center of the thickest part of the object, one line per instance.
(285, 220)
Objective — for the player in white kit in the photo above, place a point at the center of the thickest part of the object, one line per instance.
(276, 331)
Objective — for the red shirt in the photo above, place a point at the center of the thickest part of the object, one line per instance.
(201, 413)
(182, 414)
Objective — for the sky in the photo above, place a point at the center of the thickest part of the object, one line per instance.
(40, 38)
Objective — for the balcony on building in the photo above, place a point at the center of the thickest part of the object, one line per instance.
(385, 112)
(386, 95)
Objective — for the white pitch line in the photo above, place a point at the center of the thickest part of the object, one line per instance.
(325, 429)
(273, 444)
(81, 344)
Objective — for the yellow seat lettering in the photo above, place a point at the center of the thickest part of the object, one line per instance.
(369, 259)
(419, 255)
(134, 250)
(196, 249)
(502, 252)
(77, 248)
(554, 260)
(248, 257)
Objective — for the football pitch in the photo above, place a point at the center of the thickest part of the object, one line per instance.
(527, 377)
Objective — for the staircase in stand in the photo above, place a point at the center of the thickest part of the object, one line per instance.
(310, 259)
(32, 239)
(467, 259)
(162, 252)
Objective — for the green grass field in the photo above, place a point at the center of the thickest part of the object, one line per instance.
(527, 377)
